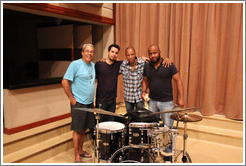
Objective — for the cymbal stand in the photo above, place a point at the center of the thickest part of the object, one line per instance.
(177, 124)
(97, 117)
(186, 156)
(174, 133)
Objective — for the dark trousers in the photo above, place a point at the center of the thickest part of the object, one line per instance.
(133, 107)
(110, 106)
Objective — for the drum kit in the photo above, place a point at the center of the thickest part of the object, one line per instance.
(138, 142)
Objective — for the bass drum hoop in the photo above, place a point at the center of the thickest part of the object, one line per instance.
(130, 161)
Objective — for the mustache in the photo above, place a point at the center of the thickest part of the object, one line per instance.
(114, 60)
(154, 62)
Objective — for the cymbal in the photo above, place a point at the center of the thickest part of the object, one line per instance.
(176, 110)
(100, 111)
(186, 118)
(175, 116)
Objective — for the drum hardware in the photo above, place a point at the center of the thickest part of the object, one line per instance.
(97, 117)
(97, 112)
(185, 118)
(129, 154)
(174, 139)
(162, 137)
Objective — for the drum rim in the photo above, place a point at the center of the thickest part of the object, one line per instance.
(128, 147)
(106, 131)
(146, 146)
(121, 127)
(141, 124)
(160, 129)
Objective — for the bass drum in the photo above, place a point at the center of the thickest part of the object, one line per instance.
(129, 154)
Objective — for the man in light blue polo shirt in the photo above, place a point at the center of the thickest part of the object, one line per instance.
(79, 85)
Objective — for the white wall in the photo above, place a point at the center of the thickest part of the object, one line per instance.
(29, 105)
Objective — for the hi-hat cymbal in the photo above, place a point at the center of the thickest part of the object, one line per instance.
(100, 111)
(186, 118)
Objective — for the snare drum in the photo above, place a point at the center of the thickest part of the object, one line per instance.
(111, 136)
(160, 136)
(138, 134)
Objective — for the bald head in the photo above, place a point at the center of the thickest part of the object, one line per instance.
(131, 55)
(129, 48)
(154, 54)
(154, 46)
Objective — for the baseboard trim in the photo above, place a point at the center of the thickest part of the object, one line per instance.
(35, 124)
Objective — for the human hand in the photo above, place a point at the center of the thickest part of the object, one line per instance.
(166, 62)
(72, 100)
(143, 95)
(145, 59)
(181, 103)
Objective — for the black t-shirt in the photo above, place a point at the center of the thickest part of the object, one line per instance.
(107, 79)
(160, 81)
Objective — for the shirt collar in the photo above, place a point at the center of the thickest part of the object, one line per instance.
(138, 61)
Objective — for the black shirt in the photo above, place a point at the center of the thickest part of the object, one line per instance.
(160, 81)
(107, 79)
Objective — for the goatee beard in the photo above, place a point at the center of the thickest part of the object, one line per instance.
(156, 61)
(112, 60)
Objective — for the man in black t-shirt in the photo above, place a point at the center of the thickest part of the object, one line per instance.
(107, 71)
(107, 78)
(159, 81)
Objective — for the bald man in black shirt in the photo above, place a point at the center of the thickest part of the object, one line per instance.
(159, 81)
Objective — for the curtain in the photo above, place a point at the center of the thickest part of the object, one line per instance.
(205, 42)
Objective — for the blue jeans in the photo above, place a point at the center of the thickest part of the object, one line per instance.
(110, 106)
(130, 107)
(159, 106)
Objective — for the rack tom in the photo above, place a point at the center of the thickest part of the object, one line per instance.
(138, 134)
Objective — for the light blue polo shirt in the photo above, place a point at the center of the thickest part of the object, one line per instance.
(82, 77)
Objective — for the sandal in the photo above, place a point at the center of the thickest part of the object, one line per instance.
(86, 155)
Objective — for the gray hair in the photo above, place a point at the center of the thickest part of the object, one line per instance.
(83, 48)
